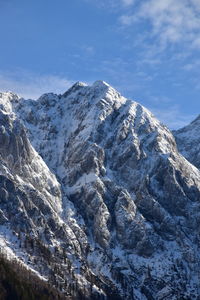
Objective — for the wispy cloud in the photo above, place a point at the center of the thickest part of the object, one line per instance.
(112, 4)
(173, 117)
(30, 85)
(89, 50)
(128, 2)
(171, 21)
(191, 66)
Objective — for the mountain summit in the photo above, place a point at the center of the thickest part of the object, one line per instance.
(96, 198)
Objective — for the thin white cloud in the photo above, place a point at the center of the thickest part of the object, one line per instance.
(191, 66)
(173, 117)
(112, 4)
(90, 50)
(127, 2)
(171, 21)
(29, 85)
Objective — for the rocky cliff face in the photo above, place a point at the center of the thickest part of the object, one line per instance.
(99, 183)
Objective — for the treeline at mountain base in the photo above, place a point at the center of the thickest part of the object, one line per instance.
(18, 283)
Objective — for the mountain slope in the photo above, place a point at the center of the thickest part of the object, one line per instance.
(16, 282)
(32, 228)
(188, 141)
(124, 193)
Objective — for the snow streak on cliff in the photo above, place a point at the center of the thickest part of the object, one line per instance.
(96, 197)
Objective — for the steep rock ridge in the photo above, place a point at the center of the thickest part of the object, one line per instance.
(188, 141)
(32, 228)
(135, 198)
(20, 161)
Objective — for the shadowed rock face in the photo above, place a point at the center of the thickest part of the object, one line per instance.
(123, 204)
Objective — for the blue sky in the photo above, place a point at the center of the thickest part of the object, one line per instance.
(147, 49)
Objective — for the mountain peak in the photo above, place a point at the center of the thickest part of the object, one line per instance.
(187, 139)
(7, 100)
(76, 86)
(100, 83)
(79, 84)
(9, 95)
(197, 119)
(93, 183)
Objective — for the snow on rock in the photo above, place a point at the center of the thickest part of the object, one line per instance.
(100, 183)
(188, 141)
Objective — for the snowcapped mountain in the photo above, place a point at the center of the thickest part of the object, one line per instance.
(96, 198)
(188, 141)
